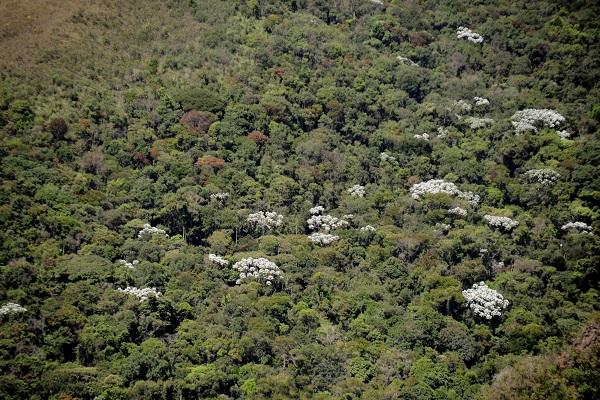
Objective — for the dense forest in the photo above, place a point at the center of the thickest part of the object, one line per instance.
(299, 199)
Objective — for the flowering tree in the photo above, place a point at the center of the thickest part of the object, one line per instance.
(218, 260)
(461, 212)
(141, 294)
(357, 191)
(501, 222)
(577, 227)
(219, 196)
(480, 101)
(317, 210)
(130, 265)
(322, 239)
(11, 308)
(471, 36)
(407, 61)
(424, 136)
(485, 302)
(367, 228)
(526, 120)
(325, 222)
(266, 220)
(544, 177)
(151, 230)
(563, 135)
(443, 227)
(259, 269)
(440, 186)
(442, 132)
(385, 157)
(476, 123)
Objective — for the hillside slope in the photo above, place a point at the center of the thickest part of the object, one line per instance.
(299, 199)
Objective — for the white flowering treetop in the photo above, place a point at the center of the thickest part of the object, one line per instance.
(501, 222)
(461, 212)
(480, 101)
(526, 120)
(544, 177)
(443, 227)
(151, 230)
(485, 302)
(442, 132)
(367, 228)
(219, 196)
(11, 308)
(357, 191)
(317, 210)
(424, 136)
(434, 186)
(322, 239)
(563, 135)
(471, 36)
(218, 260)
(383, 156)
(463, 105)
(407, 61)
(266, 220)
(476, 123)
(578, 227)
(259, 269)
(130, 265)
(325, 222)
(141, 294)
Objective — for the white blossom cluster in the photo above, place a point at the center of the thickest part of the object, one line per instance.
(442, 132)
(11, 308)
(443, 227)
(347, 216)
(563, 135)
(367, 228)
(357, 191)
(383, 156)
(130, 265)
(217, 259)
(151, 230)
(463, 105)
(480, 101)
(476, 123)
(525, 120)
(469, 197)
(581, 227)
(266, 219)
(463, 32)
(485, 302)
(219, 196)
(141, 294)
(258, 269)
(317, 210)
(461, 212)
(322, 239)
(423, 136)
(440, 186)
(501, 222)
(379, 2)
(325, 222)
(544, 177)
(406, 61)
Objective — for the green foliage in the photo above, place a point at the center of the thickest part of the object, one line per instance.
(191, 115)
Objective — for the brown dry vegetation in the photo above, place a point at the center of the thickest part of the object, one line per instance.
(88, 38)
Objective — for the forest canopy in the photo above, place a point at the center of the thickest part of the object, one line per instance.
(272, 199)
